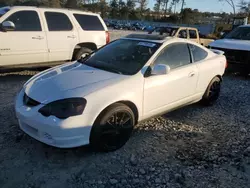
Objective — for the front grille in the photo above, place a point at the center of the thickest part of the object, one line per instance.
(236, 56)
(29, 101)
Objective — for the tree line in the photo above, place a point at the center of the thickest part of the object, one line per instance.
(163, 10)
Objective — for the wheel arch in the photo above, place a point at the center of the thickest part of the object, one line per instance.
(91, 45)
(219, 76)
(130, 104)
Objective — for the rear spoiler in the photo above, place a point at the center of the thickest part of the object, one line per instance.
(218, 52)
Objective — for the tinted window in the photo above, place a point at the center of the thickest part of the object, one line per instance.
(182, 34)
(198, 53)
(89, 22)
(58, 21)
(25, 21)
(124, 56)
(241, 33)
(192, 34)
(174, 55)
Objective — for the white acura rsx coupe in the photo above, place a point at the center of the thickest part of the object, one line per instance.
(100, 98)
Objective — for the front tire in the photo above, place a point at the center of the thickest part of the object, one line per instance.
(112, 128)
(212, 93)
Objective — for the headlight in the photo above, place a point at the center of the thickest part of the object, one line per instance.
(64, 108)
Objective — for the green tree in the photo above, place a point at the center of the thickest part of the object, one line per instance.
(157, 7)
(165, 6)
(123, 10)
(131, 11)
(114, 9)
(103, 8)
(54, 3)
(142, 7)
(71, 4)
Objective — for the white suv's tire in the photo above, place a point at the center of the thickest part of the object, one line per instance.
(80, 53)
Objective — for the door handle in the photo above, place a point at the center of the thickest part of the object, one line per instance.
(71, 36)
(191, 74)
(38, 37)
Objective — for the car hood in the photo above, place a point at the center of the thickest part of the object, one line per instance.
(231, 44)
(61, 82)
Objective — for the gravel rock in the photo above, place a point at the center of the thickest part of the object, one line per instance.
(113, 181)
(152, 169)
(136, 180)
(247, 151)
(142, 171)
(158, 180)
(133, 160)
(179, 178)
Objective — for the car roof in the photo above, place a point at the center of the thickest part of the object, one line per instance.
(52, 9)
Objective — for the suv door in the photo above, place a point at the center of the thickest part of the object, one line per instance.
(27, 43)
(163, 92)
(61, 34)
(193, 35)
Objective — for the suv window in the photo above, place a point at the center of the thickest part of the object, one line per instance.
(58, 21)
(25, 20)
(183, 34)
(192, 34)
(89, 22)
(174, 55)
(198, 53)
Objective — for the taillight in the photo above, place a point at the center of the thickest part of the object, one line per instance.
(226, 65)
(107, 37)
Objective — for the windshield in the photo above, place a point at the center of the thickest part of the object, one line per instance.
(3, 10)
(242, 33)
(169, 31)
(123, 56)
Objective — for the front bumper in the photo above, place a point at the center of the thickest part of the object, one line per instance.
(61, 133)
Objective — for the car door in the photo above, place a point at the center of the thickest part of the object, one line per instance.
(62, 35)
(164, 92)
(193, 35)
(26, 43)
(207, 66)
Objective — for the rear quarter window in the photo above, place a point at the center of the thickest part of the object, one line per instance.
(89, 22)
(198, 53)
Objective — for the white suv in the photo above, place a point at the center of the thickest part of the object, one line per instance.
(31, 35)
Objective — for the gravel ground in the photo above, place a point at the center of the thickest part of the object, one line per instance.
(194, 146)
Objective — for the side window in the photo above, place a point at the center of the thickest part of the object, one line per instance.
(58, 21)
(198, 53)
(89, 22)
(25, 21)
(174, 55)
(192, 34)
(182, 34)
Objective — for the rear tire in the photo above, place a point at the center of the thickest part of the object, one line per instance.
(112, 128)
(81, 52)
(212, 93)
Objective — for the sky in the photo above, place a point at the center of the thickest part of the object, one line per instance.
(203, 5)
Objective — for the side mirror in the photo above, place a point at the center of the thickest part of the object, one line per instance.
(8, 26)
(160, 69)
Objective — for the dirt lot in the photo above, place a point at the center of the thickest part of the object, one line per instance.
(192, 147)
